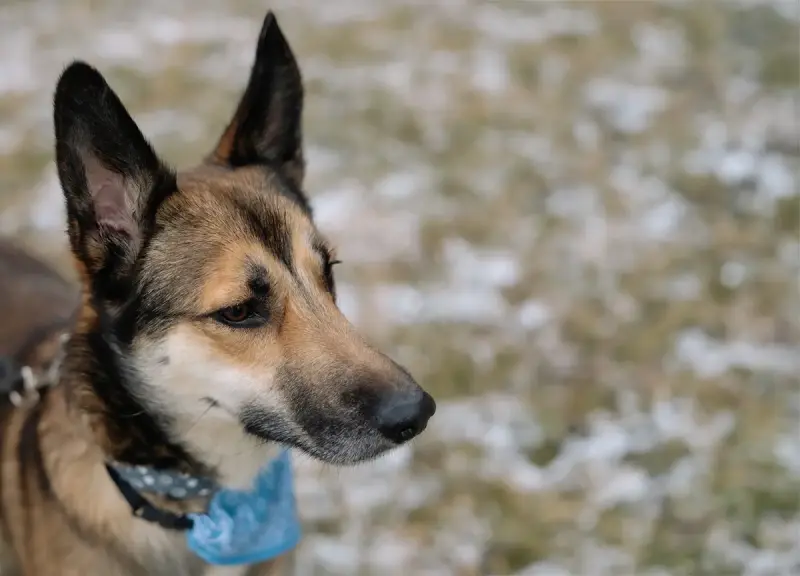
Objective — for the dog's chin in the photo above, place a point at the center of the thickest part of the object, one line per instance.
(339, 451)
(345, 445)
(346, 452)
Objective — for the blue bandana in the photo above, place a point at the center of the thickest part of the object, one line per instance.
(250, 526)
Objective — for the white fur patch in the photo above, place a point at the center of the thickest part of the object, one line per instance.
(179, 388)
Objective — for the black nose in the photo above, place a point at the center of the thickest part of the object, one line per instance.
(401, 415)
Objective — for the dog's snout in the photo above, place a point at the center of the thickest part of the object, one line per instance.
(401, 415)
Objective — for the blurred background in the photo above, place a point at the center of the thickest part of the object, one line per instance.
(577, 223)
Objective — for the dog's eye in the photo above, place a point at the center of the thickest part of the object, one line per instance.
(236, 314)
(245, 315)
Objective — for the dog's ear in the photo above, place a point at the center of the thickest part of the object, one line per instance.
(111, 177)
(266, 128)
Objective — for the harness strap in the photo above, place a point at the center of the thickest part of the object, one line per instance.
(143, 509)
(19, 384)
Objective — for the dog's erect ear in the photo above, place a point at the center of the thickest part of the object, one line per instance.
(266, 128)
(112, 179)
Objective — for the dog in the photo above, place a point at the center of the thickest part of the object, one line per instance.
(205, 337)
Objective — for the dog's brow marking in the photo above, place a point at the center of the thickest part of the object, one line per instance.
(286, 189)
(257, 280)
(270, 228)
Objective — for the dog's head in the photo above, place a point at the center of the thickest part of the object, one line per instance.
(216, 287)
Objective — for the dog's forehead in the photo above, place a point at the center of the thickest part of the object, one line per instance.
(228, 207)
(257, 183)
(226, 220)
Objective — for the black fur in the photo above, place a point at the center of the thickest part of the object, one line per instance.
(267, 125)
(267, 426)
(258, 283)
(136, 434)
(270, 228)
(6, 407)
(287, 188)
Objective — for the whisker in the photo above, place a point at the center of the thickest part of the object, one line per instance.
(196, 422)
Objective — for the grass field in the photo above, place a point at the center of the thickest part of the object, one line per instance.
(577, 223)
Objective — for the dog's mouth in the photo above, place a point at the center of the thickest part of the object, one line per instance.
(341, 443)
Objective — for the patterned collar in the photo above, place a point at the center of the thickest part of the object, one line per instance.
(166, 483)
(239, 526)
